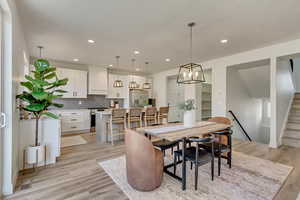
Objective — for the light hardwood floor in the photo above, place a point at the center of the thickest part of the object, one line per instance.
(78, 176)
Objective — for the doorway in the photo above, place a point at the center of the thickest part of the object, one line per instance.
(175, 96)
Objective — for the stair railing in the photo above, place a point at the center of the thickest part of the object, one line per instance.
(240, 125)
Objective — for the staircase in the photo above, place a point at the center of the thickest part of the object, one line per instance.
(291, 135)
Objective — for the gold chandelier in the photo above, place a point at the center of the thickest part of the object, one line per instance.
(190, 73)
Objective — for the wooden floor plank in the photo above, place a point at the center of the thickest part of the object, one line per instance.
(77, 175)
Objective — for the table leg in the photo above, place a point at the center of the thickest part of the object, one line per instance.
(183, 164)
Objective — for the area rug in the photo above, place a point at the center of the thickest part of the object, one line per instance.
(250, 178)
(72, 141)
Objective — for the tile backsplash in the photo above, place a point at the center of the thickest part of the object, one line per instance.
(92, 101)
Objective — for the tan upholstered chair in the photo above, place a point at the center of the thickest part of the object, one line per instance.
(150, 116)
(222, 120)
(144, 163)
(118, 118)
(163, 114)
(135, 116)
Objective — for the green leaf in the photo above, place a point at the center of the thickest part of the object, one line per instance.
(41, 65)
(28, 85)
(60, 91)
(49, 114)
(58, 105)
(40, 95)
(48, 70)
(40, 83)
(25, 96)
(35, 107)
(51, 97)
(50, 76)
(29, 78)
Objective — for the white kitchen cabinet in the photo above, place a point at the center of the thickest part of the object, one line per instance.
(97, 81)
(77, 84)
(114, 93)
(75, 120)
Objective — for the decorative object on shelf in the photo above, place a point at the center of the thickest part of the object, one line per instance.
(133, 84)
(189, 116)
(190, 73)
(146, 85)
(118, 83)
(41, 89)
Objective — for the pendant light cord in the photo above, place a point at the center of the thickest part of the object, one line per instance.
(118, 61)
(40, 50)
(191, 39)
(132, 60)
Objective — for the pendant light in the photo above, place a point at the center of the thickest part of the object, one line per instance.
(190, 73)
(146, 85)
(118, 83)
(132, 83)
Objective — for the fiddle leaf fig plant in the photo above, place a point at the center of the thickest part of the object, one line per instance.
(42, 88)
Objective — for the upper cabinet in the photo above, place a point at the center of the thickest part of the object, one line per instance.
(97, 81)
(77, 84)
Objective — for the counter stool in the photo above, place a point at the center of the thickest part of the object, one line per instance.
(118, 117)
(163, 114)
(135, 116)
(150, 116)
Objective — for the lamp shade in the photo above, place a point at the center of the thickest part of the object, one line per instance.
(133, 85)
(190, 74)
(118, 84)
(147, 86)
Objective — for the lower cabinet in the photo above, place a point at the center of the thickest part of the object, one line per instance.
(75, 120)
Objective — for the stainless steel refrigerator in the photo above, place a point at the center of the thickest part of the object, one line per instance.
(138, 98)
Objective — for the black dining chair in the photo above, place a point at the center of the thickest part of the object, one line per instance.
(197, 155)
(163, 144)
(220, 149)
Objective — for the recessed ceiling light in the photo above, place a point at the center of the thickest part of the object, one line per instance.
(110, 65)
(91, 41)
(168, 59)
(75, 59)
(224, 41)
(136, 52)
(137, 69)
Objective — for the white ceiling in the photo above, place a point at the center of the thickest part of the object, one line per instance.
(156, 28)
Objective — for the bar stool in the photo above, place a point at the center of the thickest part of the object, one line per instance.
(118, 117)
(150, 115)
(163, 114)
(135, 116)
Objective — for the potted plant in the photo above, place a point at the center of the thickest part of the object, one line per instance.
(189, 116)
(41, 89)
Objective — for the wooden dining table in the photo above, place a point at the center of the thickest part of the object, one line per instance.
(178, 132)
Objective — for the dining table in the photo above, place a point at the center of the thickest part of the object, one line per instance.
(178, 132)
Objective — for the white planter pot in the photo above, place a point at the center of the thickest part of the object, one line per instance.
(189, 118)
(35, 154)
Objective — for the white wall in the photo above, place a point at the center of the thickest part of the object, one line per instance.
(16, 63)
(246, 108)
(256, 80)
(296, 74)
(285, 93)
